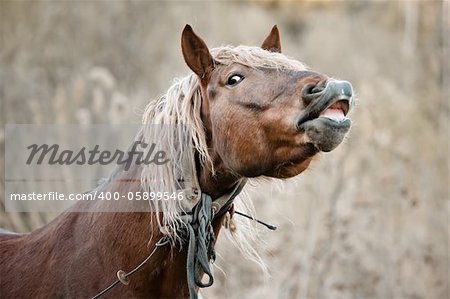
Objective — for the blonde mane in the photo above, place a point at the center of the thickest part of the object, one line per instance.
(183, 137)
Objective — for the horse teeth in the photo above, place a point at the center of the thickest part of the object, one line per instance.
(333, 114)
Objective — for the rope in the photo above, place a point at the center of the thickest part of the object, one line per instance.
(124, 277)
(201, 246)
(269, 226)
(199, 234)
(200, 250)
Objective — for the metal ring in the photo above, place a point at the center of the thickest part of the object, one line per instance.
(215, 208)
(122, 276)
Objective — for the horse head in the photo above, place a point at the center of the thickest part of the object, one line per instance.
(264, 113)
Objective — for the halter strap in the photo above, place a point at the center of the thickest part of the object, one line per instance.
(221, 204)
(200, 240)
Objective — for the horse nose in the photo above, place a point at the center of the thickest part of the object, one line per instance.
(314, 89)
(330, 88)
(338, 88)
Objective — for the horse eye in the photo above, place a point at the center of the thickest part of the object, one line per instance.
(234, 80)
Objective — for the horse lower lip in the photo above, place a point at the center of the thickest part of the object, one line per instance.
(325, 133)
(340, 123)
(337, 123)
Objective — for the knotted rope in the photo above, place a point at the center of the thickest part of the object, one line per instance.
(201, 246)
(199, 234)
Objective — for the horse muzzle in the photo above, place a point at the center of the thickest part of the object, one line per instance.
(325, 122)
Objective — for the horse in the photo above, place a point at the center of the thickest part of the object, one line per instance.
(249, 112)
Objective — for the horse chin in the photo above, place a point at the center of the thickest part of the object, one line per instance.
(325, 133)
(294, 167)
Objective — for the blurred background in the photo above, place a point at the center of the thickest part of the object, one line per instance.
(368, 220)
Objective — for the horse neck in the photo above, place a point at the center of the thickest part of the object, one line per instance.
(131, 229)
(109, 241)
(218, 183)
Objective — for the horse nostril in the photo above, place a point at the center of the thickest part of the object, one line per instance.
(311, 91)
(319, 87)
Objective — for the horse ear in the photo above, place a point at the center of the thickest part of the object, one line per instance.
(196, 53)
(272, 42)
